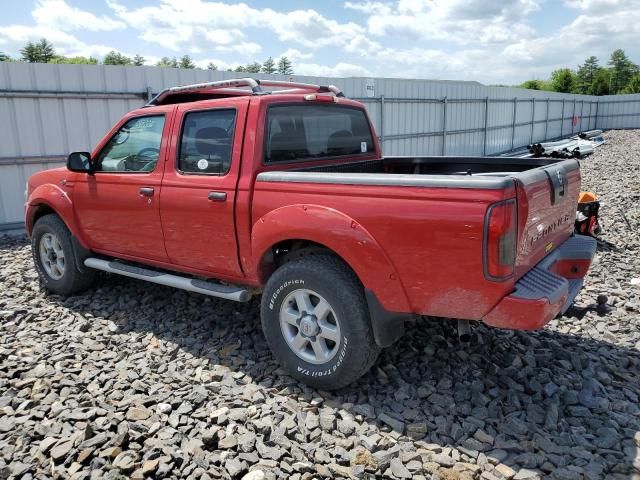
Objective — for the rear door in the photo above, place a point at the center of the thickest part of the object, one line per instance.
(547, 199)
(199, 186)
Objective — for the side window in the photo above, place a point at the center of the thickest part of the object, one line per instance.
(134, 148)
(206, 144)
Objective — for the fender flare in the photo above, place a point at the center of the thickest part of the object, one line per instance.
(341, 234)
(58, 200)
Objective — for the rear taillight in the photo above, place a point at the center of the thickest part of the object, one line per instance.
(500, 236)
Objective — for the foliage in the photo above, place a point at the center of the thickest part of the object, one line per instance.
(74, 60)
(634, 85)
(269, 66)
(622, 70)
(167, 62)
(601, 83)
(116, 58)
(285, 67)
(138, 60)
(4, 57)
(212, 66)
(186, 62)
(254, 67)
(38, 52)
(564, 80)
(534, 85)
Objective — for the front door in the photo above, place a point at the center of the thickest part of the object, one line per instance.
(118, 206)
(199, 187)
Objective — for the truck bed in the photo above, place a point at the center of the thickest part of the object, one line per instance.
(429, 215)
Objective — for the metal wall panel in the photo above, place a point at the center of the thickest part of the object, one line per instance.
(49, 110)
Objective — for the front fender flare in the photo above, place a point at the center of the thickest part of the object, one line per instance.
(341, 234)
(58, 200)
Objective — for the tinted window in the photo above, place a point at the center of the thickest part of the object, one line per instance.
(134, 148)
(207, 137)
(315, 131)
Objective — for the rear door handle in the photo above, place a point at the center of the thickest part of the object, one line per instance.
(146, 191)
(217, 196)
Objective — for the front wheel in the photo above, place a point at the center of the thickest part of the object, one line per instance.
(54, 257)
(316, 321)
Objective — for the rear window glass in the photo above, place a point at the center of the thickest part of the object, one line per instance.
(297, 132)
(207, 137)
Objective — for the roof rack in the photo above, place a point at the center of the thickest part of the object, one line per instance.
(254, 83)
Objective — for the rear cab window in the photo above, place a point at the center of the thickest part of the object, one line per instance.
(298, 132)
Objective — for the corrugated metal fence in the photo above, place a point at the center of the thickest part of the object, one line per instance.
(47, 111)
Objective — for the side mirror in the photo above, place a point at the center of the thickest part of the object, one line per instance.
(80, 162)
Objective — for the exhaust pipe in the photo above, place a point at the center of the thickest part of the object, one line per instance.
(464, 331)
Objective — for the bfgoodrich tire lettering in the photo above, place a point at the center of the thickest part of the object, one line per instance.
(322, 278)
(66, 278)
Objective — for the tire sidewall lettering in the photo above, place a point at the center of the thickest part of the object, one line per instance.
(280, 289)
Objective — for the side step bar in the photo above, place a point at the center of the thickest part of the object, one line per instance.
(184, 283)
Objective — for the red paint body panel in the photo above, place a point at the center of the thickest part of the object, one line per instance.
(418, 249)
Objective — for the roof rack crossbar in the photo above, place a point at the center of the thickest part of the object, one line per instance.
(233, 83)
(255, 85)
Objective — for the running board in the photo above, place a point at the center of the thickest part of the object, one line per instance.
(184, 283)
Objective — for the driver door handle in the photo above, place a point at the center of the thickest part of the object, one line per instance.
(146, 191)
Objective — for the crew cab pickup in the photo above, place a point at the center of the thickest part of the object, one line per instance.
(246, 187)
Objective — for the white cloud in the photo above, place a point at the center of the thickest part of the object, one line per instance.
(57, 14)
(340, 69)
(176, 23)
(295, 55)
(461, 21)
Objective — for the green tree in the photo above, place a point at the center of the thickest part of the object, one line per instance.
(269, 66)
(254, 67)
(634, 85)
(563, 80)
(4, 57)
(186, 62)
(212, 66)
(74, 60)
(116, 58)
(138, 60)
(38, 52)
(622, 70)
(167, 62)
(240, 68)
(586, 73)
(533, 84)
(601, 82)
(285, 67)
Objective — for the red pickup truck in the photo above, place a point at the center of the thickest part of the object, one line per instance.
(246, 187)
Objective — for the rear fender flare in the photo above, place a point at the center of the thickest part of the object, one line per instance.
(342, 235)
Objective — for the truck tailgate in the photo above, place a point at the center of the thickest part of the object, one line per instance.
(547, 198)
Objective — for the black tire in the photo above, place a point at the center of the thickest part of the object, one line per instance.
(331, 279)
(72, 279)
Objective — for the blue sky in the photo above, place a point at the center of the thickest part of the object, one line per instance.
(491, 41)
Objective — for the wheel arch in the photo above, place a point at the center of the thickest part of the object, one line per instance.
(315, 227)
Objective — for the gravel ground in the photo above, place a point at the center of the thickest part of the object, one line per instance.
(134, 380)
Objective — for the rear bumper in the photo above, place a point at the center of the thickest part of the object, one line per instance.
(548, 289)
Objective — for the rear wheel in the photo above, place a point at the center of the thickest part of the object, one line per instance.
(55, 259)
(316, 321)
